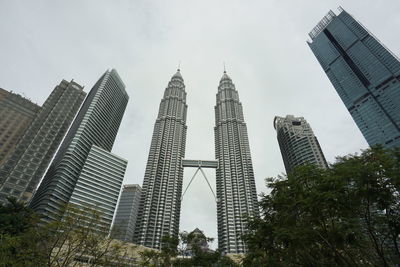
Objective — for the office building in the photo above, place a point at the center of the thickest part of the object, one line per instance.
(160, 202)
(364, 73)
(16, 113)
(84, 172)
(236, 189)
(126, 214)
(298, 144)
(23, 169)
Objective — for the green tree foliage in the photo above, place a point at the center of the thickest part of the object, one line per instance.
(167, 256)
(25, 241)
(347, 215)
(18, 236)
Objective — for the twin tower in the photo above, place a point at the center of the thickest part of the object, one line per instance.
(160, 203)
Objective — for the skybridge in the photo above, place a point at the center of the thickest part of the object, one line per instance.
(200, 164)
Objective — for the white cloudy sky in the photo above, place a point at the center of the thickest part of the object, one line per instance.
(262, 42)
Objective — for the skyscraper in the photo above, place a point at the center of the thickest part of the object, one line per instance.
(236, 189)
(126, 214)
(364, 73)
(298, 143)
(84, 172)
(23, 169)
(160, 204)
(16, 113)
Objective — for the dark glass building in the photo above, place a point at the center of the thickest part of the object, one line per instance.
(126, 214)
(84, 172)
(365, 74)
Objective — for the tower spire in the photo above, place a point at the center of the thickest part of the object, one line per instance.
(224, 68)
(179, 66)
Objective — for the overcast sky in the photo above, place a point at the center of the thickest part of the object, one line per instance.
(262, 42)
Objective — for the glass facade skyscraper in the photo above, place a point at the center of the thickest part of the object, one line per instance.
(84, 172)
(26, 165)
(236, 188)
(298, 143)
(160, 203)
(365, 74)
(126, 214)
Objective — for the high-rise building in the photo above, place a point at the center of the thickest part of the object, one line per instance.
(126, 214)
(160, 203)
(23, 169)
(298, 143)
(16, 113)
(84, 172)
(365, 74)
(236, 189)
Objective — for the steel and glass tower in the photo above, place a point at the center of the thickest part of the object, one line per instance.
(84, 172)
(127, 211)
(23, 169)
(160, 203)
(365, 74)
(236, 189)
(298, 143)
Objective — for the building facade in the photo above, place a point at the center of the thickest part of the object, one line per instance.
(126, 214)
(365, 74)
(160, 203)
(23, 169)
(298, 143)
(84, 172)
(236, 189)
(16, 113)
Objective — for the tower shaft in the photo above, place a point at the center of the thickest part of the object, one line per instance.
(236, 190)
(160, 203)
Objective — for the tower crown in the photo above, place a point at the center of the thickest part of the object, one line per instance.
(178, 74)
(225, 77)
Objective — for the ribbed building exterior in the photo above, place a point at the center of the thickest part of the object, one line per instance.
(298, 144)
(160, 205)
(126, 214)
(16, 113)
(23, 169)
(236, 189)
(364, 73)
(84, 172)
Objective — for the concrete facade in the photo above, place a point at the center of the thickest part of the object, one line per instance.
(23, 169)
(298, 143)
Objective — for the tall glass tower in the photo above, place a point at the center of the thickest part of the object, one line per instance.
(365, 74)
(236, 189)
(84, 172)
(126, 214)
(298, 143)
(160, 203)
(21, 172)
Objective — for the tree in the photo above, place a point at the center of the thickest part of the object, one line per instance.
(18, 246)
(196, 245)
(347, 215)
(164, 257)
(74, 238)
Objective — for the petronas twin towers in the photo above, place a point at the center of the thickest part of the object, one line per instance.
(160, 204)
